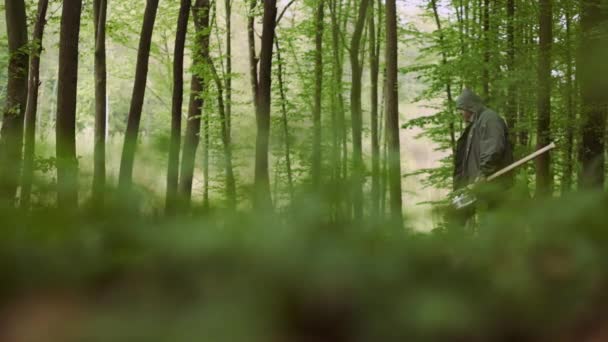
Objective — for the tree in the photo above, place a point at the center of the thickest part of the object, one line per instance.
(11, 133)
(591, 66)
(511, 114)
(355, 107)
(228, 78)
(200, 14)
(374, 69)
(448, 81)
(32, 105)
(67, 164)
(137, 100)
(99, 169)
(570, 114)
(392, 113)
(543, 128)
(176, 107)
(316, 117)
(262, 184)
(284, 119)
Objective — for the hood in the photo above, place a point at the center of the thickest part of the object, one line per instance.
(468, 100)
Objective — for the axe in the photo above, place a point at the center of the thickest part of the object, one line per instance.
(465, 198)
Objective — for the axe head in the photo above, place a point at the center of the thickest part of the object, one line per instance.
(463, 200)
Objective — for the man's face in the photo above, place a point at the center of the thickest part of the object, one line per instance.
(467, 116)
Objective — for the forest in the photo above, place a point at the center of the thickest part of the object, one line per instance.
(292, 170)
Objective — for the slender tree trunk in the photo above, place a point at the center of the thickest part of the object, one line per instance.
(448, 81)
(374, 67)
(125, 179)
(11, 133)
(32, 105)
(284, 119)
(339, 127)
(486, 48)
(228, 80)
(229, 174)
(392, 113)
(191, 140)
(511, 114)
(262, 185)
(99, 164)
(355, 107)
(591, 69)
(67, 164)
(543, 128)
(570, 123)
(253, 60)
(200, 15)
(176, 107)
(316, 146)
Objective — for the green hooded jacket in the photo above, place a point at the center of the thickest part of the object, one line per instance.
(484, 146)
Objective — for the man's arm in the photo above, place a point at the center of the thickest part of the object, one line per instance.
(492, 143)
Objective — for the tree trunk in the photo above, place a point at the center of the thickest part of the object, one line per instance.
(125, 179)
(374, 67)
(543, 128)
(229, 173)
(392, 113)
(570, 123)
(253, 60)
(285, 123)
(511, 114)
(67, 164)
(200, 15)
(228, 77)
(99, 167)
(176, 107)
(594, 86)
(262, 185)
(32, 105)
(486, 48)
(11, 133)
(355, 107)
(316, 145)
(339, 151)
(448, 81)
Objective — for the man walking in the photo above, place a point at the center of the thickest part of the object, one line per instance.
(482, 149)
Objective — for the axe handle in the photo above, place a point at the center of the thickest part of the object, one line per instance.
(522, 161)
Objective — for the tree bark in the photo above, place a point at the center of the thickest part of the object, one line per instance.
(176, 107)
(200, 14)
(316, 146)
(285, 122)
(374, 69)
(570, 123)
(339, 151)
(226, 143)
(355, 107)
(591, 68)
(543, 128)
(253, 60)
(262, 185)
(125, 179)
(228, 77)
(511, 114)
(392, 113)
(448, 81)
(67, 164)
(11, 133)
(32, 105)
(99, 166)
(486, 48)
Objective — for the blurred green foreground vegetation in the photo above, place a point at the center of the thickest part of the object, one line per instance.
(533, 272)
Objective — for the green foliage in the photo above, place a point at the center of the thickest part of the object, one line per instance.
(255, 277)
